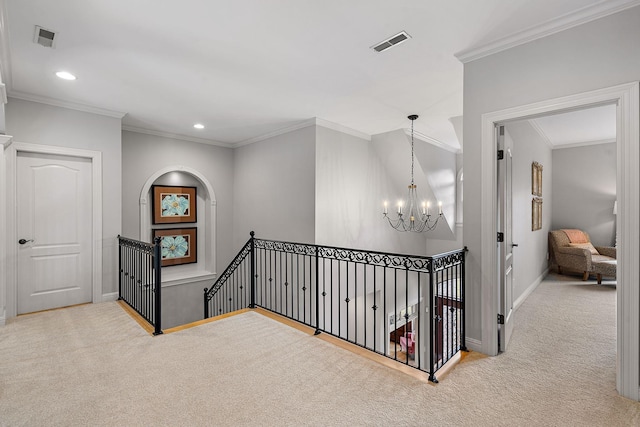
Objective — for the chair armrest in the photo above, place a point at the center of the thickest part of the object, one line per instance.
(569, 250)
(573, 258)
(607, 251)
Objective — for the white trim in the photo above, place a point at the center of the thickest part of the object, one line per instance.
(11, 214)
(553, 26)
(201, 276)
(301, 125)
(304, 124)
(3, 93)
(65, 104)
(176, 136)
(343, 129)
(210, 219)
(536, 126)
(315, 121)
(584, 144)
(5, 141)
(432, 141)
(532, 287)
(627, 98)
(473, 344)
(5, 53)
(111, 296)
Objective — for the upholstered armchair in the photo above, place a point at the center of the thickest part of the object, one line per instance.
(580, 255)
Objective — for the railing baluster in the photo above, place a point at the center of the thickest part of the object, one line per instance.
(292, 280)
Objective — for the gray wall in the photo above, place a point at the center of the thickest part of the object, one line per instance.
(350, 182)
(530, 256)
(48, 125)
(274, 187)
(142, 156)
(584, 183)
(598, 54)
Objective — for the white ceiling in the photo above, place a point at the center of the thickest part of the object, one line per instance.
(584, 127)
(251, 67)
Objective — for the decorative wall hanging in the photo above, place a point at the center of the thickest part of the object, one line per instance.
(178, 245)
(536, 179)
(536, 213)
(173, 205)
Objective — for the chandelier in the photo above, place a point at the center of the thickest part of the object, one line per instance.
(410, 214)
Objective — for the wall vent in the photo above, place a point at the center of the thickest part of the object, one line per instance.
(391, 41)
(44, 37)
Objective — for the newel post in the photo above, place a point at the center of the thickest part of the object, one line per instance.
(157, 261)
(463, 344)
(252, 258)
(317, 292)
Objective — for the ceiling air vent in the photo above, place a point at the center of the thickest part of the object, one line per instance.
(391, 41)
(44, 37)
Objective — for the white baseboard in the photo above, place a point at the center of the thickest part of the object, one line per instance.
(113, 296)
(532, 287)
(474, 345)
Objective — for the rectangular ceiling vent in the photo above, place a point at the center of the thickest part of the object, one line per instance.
(44, 37)
(391, 41)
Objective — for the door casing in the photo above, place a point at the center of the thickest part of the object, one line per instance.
(9, 212)
(627, 99)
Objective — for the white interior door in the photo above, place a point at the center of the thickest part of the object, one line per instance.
(54, 224)
(505, 247)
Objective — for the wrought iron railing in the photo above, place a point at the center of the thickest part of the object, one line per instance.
(140, 278)
(407, 308)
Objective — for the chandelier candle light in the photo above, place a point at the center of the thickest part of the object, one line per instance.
(412, 216)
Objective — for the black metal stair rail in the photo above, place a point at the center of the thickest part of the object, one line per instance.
(140, 279)
(407, 308)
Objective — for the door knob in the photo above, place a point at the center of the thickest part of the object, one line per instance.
(23, 241)
(513, 245)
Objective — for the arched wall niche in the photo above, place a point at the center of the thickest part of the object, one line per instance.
(205, 268)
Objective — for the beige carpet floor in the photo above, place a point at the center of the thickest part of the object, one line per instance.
(93, 365)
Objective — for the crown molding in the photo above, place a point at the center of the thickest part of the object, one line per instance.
(315, 121)
(343, 129)
(65, 104)
(5, 53)
(584, 143)
(556, 25)
(176, 136)
(5, 141)
(536, 126)
(277, 132)
(432, 141)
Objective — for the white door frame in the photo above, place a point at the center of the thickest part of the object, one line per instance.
(8, 210)
(627, 98)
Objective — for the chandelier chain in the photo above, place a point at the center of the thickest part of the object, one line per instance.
(410, 216)
(412, 151)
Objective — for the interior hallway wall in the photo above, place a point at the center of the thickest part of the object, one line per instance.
(530, 256)
(350, 179)
(43, 124)
(142, 156)
(602, 53)
(274, 188)
(584, 185)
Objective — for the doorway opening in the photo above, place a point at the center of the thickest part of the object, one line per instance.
(627, 100)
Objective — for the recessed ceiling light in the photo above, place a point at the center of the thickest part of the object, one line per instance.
(198, 126)
(65, 75)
